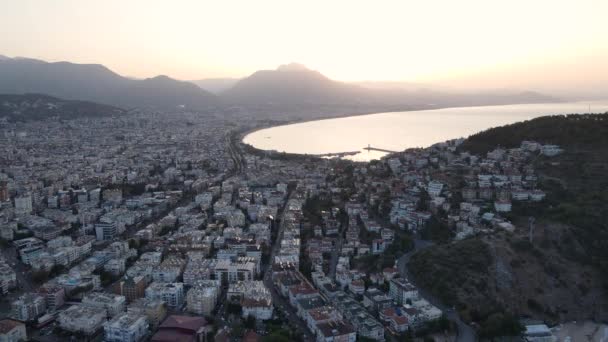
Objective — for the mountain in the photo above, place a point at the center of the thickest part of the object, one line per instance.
(94, 82)
(39, 107)
(561, 274)
(293, 86)
(216, 85)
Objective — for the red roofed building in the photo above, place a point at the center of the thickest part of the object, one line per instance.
(181, 329)
(398, 322)
(11, 330)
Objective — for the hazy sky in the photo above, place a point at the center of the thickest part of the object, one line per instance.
(503, 43)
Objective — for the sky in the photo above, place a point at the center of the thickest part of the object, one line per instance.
(474, 43)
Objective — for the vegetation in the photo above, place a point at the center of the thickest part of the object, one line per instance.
(500, 324)
(278, 155)
(402, 244)
(38, 107)
(565, 130)
(437, 230)
(441, 269)
(575, 181)
(440, 325)
(234, 309)
(313, 207)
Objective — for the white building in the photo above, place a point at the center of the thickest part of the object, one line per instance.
(113, 304)
(82, 318)
(234, 271)
(254, 297)
(126, 327)
(106, 230)
(23, 204)
(502, 206)
(201, 300)
(402, 290)
(434, 189)
(550, 150)
(171, 293)
(28, 307)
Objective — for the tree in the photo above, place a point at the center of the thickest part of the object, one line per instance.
(250, 322)
(437, 230)
(40, 276)
(423, 202)
(500, 324)
(234, 308)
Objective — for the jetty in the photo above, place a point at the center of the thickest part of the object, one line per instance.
(370, 148)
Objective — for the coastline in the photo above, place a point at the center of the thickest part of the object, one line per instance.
(244, 133)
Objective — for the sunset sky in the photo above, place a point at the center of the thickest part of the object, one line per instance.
(501, 43)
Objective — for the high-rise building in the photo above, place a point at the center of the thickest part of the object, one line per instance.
(132, 288)
(106, 231)
(28, 307)
(23, 204)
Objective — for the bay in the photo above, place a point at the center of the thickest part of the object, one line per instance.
(397, 131)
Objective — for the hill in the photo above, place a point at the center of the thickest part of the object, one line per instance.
(94, 82)
(562, 274)
(39, 107)
(569, 130)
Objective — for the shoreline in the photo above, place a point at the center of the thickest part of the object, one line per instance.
(243, 134)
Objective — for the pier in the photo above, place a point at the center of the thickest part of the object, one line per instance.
(370, 148)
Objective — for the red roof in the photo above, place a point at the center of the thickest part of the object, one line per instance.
(179, 329)
(7, 325)
(251, 336)
(184, 322)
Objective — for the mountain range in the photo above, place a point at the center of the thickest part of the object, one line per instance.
(295, 85)
(290, 87)
(94, 82)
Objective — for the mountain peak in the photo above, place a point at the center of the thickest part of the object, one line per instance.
(292, 67)
(163, 78)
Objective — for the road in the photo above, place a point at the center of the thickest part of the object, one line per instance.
(235, 152)
(23, 275)
(465, 332)
(279, 302)
(335, 253)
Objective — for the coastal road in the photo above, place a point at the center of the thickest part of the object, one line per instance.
(465, 332)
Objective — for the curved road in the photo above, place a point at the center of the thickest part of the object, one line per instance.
(465, 332)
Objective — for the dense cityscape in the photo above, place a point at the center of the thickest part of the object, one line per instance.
(162, 227)
(289, 171)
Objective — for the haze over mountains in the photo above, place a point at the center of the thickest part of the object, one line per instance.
(216, 85)
(295, 85)
(94, 82)
(289, 87)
